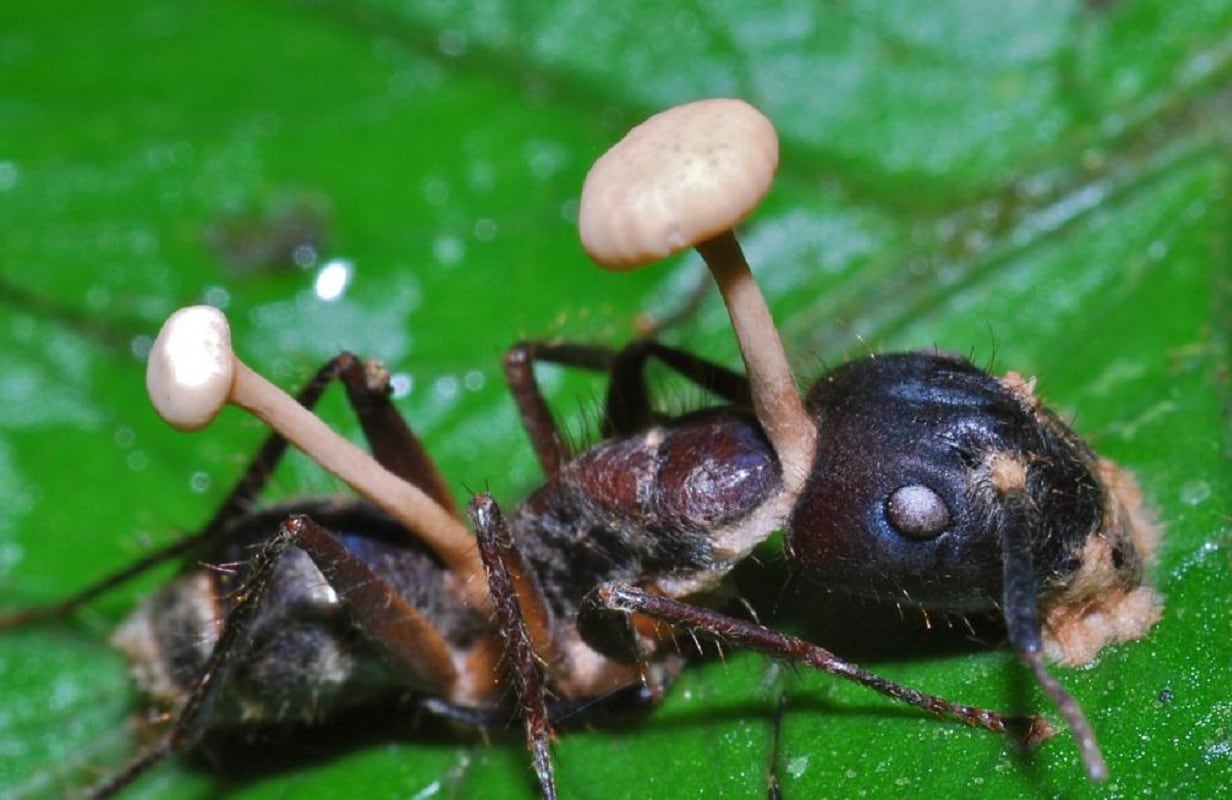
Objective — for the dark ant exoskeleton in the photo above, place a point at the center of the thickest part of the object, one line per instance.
(916, 476)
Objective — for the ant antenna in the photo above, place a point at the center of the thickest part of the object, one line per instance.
(1020, 601)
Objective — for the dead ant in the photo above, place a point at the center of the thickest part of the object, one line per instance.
(914, 476)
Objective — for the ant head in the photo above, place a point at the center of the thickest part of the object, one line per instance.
(924, 461)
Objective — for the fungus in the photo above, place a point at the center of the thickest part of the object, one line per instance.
(684, 178)
(193, 372)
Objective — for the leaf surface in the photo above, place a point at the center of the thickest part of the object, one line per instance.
(1043, 187)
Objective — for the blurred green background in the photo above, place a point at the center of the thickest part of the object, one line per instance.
(1043, 186)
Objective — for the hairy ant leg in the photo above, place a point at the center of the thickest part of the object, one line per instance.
(627, 406)
(530, 649)
(551, 447)
(405, 639)
(621, 599)
(508, 583)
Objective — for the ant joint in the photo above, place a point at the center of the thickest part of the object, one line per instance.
(376, 375)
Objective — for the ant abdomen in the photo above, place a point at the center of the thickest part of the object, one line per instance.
(922, 453)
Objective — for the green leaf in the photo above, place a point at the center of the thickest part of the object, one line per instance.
(1044, 186)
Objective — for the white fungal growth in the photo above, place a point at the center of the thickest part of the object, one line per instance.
(191, 368)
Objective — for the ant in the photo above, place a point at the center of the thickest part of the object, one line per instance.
(914, 476)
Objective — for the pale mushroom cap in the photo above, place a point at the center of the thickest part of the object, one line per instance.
(680, 178)
(191, 367)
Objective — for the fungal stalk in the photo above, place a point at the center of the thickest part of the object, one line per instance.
(193, 372)
(685, 178)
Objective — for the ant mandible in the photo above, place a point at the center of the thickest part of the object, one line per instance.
(916, 476)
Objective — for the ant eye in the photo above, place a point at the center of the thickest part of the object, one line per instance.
(917, 512)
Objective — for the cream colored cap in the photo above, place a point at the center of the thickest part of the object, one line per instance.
(191, 367)
(680, 178)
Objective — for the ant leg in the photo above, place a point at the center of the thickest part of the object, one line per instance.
(400, 633)
(620, 598)
(393, 444)
(392, 441)
(513, 596)
(551, 446)
(627, 407)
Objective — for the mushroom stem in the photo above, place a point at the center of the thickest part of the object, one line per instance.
(193, 372)
(442, 532)
(776, 399)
